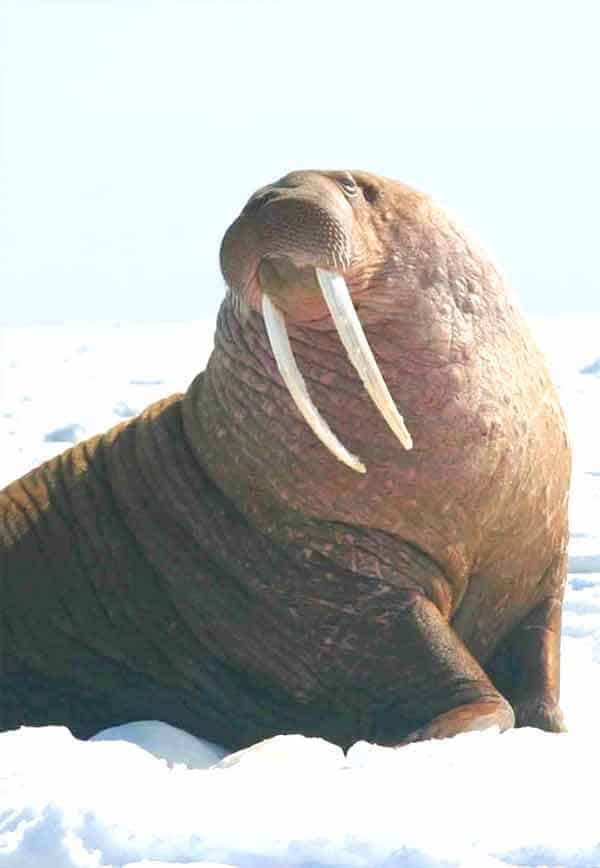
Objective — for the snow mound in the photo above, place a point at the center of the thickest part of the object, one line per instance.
(165, 742)
(480, 799)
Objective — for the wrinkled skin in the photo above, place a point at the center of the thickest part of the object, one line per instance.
(212, 565)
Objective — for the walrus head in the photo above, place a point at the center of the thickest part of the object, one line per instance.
(303, 250)
(319, 262)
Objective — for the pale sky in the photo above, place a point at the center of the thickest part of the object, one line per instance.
(131, 134)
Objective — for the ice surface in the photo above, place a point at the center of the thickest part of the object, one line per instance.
(58, 382)
(592, 368)
(145, 795)
(480, 799)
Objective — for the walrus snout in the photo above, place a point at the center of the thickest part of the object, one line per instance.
(308, 229)
(281, 236)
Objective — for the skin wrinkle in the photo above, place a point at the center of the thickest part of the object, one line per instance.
(175, 556)
(245, 346)
(19, 508)
(62, 599)
(239, 605)
(340, 385)
(269, 419)
(149, 634)
(127, 620)
(66, 497)
(175, 614)
(244, 379)
(296, 424)
(21, 639)
(29, 515)
(61, 515)
(417, 564)
(86, 569)
(271, 422)
(247, 375)
(153, 638)
(237, 391)
(344, 380)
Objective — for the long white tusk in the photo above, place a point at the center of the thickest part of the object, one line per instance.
(352, 336)
(280, 344)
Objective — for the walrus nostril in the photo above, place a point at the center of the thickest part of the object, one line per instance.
(258, 201)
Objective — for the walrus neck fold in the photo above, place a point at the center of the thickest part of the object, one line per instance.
(246, 429)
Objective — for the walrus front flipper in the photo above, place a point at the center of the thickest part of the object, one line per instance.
(444, 690)
(466, 718)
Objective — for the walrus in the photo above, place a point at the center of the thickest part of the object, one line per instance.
(352, 525)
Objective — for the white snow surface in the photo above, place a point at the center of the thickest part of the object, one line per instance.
(147, 795)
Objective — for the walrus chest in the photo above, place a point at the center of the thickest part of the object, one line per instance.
(296, 620)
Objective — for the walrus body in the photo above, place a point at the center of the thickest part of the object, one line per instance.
(212, 565)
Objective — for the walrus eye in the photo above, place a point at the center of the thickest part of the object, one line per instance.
(348, 185)
(370, 193)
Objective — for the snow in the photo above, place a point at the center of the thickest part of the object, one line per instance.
(523, 798)
(147, 795)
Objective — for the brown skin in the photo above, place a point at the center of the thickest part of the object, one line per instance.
(213, 565)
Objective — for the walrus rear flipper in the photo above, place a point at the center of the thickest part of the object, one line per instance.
(526, 667)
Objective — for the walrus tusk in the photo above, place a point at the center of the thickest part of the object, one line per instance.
(352, 336)
(290, 373)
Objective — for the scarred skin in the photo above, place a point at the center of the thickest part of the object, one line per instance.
(212, 565)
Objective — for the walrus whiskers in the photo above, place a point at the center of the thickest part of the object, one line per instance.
(350, 330)
(292, 377)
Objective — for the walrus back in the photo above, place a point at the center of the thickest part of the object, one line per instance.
(66, 511)
(73, 572)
